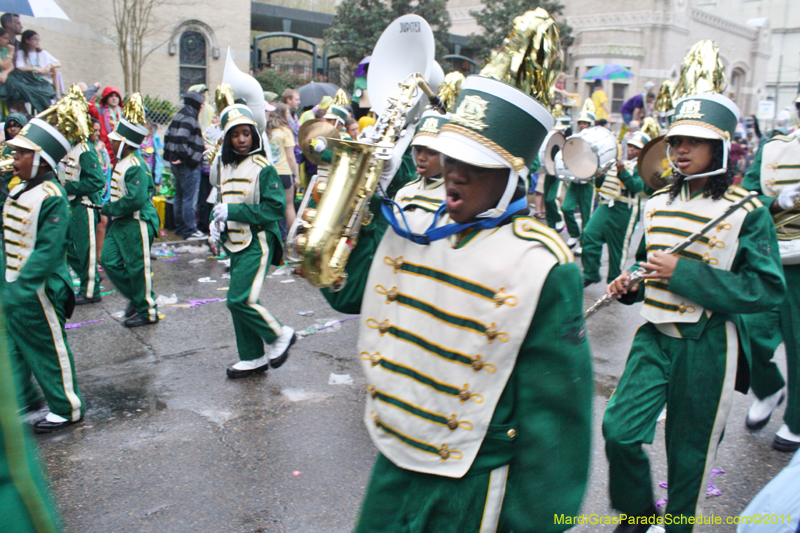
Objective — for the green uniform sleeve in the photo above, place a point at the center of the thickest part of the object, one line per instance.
(137, 182)
(536, 165)
(755, 281)
(272, 206)
(91, 178)
(552, 386)
(633, 182)
(48, 251)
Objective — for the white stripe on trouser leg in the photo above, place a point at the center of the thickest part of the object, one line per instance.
(90, 284)
(61, 351)
(494, 499)
(148, 277)
(258, 282)
(723, 409)
(626, 242)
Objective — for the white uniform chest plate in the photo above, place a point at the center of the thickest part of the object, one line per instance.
(240, 185)
(780, 164)
(440, 332)
(20, 224)
(613, 190)
(118, 188)
(668, 224)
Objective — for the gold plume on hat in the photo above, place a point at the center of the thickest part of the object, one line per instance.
(134, 109)
(341, 99)
(558, 111)
(651, 128)
(664, 101)
(450, 89)
(72, 116)
(223, 96)
(701, 71)
(531, 56)
(588, 106)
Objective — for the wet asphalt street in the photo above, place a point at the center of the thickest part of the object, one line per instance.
(170, 445)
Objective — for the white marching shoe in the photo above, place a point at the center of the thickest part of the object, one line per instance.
(785, 440)
(761, 410)
(280, 348)
(242, 369)
(572, 241)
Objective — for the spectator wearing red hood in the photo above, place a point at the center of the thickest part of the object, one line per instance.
(107, 112)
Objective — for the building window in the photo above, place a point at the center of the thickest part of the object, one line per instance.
(618, 96)
(192, 59)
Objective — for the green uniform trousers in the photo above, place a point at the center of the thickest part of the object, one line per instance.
(695, 379)
(25, 505)
(126, 260)
(37, 343)
(252, 323)
(612, 225)
(552, 192)
(766, 331)
(579, 196)
(82, 248)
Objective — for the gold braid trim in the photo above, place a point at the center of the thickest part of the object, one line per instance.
(724, 134)
(517, 163)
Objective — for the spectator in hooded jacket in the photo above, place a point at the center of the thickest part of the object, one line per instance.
(183, 149)
(107, 112)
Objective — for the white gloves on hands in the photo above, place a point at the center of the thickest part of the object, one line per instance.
(787, 199)
(215, 232)
(221, 212)
(319, 144)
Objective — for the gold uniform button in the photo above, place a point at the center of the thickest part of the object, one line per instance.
(512, 433)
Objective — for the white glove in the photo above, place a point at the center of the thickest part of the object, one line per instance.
(787, 199)
(319, 144)
(221, 212)
(215, 232)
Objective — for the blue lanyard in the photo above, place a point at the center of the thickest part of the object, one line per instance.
(433, 233)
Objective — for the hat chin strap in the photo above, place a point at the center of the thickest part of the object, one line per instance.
(121, 146)
(717, 172)
(36, 161)
(505, 200)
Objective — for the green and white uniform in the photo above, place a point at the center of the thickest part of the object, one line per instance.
(37, 294)
(612, 223)
(776, 166)
(25, 505)
(256, 202)
(553, 187)
(84, 179)
(126, 250)
(579, 196)
(686, 355)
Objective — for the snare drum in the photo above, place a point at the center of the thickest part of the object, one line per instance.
(562, 173)
(590, 151)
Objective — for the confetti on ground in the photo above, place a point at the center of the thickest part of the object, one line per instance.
(306, 313)
(711, 491)
(296, 473)
(326, 326)
(223, 288)
(196, 261)
(287, 281)
(207, 280)
(107, 293)
(172, 259)
(226, 276)
(166, 300)
(79, 324)
(195, 303)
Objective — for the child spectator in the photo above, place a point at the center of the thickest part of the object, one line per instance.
(107, 111)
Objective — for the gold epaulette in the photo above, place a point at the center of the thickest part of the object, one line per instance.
(51, 189)
(260, 160)
(736, 193)
(661, 191)
(530, 229)
(84, 147)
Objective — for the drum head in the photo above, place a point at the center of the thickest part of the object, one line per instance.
(579, 157)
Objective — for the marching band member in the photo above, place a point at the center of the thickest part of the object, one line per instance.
(552, 188)
(685, 355)
(252, 203)
(126, 250)
(579, 195)
(774, 175)
(615, 219)
(478, 370)
(427, 191)
(37, 288)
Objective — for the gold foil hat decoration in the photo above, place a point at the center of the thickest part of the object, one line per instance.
(341, 99)
(72, 116)
(664, 103)
(701, 71)
(531, 57)
(223, 96)
(133, 111)
(651, 128)
(588, 106)
(450, 88)
(558, 111)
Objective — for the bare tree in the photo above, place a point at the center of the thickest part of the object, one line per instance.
(134, 22)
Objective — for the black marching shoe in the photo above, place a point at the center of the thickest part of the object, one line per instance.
(637, 523)
(138, 320)
(46, 426)
(587, 282)
(130, 310)
(280, 348)
(80, 299)
(243, 369)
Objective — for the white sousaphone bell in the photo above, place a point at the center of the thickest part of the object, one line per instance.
(246, 87)
(590, 152)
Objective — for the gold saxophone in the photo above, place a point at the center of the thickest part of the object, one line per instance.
(327, 234)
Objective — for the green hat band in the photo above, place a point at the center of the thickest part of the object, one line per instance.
(234, 115)
(38, 134)
(431, 125)
(338, 111)
(711, 111)
(133, 134)
(504, 119)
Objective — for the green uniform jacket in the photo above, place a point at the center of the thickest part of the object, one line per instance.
(49, 257)
(141, 188)
(263, 216)
(91, 182)
(548, 397)
(633, 183)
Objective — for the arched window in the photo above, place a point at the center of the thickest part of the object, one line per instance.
(193, 58)
(737, 81)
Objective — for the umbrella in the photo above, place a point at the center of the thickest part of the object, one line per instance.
(312, 93)
(609, 71)
(33, 8)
